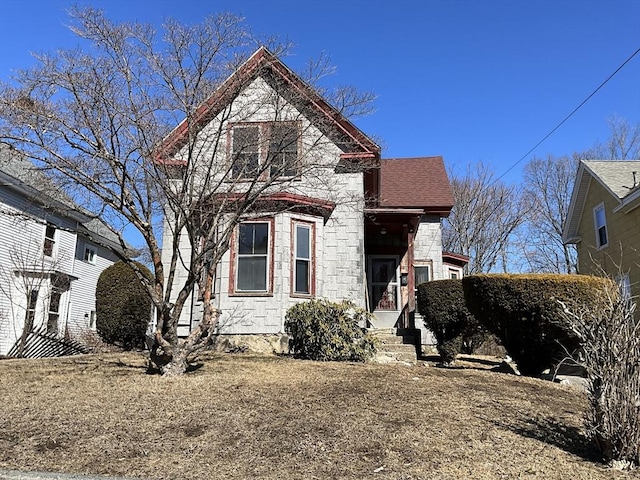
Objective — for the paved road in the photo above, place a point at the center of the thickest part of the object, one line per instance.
(16, 475)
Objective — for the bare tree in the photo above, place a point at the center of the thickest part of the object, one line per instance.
(546, 197)
(622, 144)
(103, 121)
(482, 223)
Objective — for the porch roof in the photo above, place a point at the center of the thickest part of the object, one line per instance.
(419, 182)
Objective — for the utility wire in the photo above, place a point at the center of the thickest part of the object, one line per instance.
(568, 116)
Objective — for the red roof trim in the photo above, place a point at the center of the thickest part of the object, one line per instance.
(284, 201)
(455, 258)
(227, 91)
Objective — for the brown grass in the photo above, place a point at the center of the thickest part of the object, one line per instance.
(241, 417)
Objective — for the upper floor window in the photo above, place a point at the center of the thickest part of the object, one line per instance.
(602, 239)
(253, 257)
(265, 149)
(49, 240)
(89, 255)
(303, 265)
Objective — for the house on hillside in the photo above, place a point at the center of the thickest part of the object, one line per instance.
(357, 227)
(604, 220)
(51, 254)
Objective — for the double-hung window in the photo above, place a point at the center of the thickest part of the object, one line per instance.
(303, 259)
(246, 151)
(252, 269)
(32, 302)
(54, 310)
(263, 149)
(283, 150)
(89, 255)
(602, 239)
(49, 240)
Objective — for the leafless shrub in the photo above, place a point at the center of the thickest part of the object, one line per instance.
(610, 336)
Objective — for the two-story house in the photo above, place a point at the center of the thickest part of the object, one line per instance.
(604, 221)
(348, 224)
(51, 255)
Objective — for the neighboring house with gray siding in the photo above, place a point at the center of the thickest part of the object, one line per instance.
(371, 250)
(51, 254)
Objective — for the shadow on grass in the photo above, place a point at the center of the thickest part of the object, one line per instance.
(552, 432)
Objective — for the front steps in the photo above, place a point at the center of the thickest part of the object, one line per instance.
(395, 346)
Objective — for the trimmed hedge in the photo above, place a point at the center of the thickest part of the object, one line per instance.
(442, 304)
(329, 331)
(524, 312)
(123, 306)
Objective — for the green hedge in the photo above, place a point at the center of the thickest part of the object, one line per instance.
(523, 311)
(123, 306)
(443, 307)
(324, 330)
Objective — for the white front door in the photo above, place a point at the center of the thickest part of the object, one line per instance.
(384, 289)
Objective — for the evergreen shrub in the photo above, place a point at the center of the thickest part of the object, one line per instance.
(445, 313)
(123, 306)
(524, 312)
(329, 331)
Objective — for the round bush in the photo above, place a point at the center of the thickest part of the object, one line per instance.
(123, 306)
(329, 331)
(524, 312)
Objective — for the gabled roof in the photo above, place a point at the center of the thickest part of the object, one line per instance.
(355, 144)
(19, 174)
(419, 182)
(615, 176)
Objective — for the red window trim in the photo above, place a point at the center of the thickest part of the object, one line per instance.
(234, 254)
(262, 154)
(292, 264)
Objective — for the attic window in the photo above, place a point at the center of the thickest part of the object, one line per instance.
(266, 150)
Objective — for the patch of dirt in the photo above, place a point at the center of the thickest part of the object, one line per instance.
(269, 417)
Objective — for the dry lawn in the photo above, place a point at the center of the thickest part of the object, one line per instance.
(240, 417)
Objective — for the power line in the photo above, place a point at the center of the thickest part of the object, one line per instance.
(568, 116)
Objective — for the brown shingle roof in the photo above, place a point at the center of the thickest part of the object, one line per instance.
(415, 182)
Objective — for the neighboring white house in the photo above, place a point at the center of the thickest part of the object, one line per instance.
(360, 228)
(50, 254)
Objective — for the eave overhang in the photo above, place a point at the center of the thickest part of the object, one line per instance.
(258, 64)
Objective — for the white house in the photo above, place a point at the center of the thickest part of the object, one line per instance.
(50, 254)
(357, 227)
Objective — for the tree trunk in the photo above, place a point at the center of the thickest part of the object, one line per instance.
(178, 364)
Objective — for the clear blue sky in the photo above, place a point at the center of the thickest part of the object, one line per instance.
(468, 80)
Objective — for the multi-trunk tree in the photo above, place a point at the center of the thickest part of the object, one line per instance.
(102, 121)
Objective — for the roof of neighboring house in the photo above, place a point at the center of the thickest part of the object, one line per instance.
(415, 182)
(455, 258)
(615, 176)
(17, 172)
(356, 145)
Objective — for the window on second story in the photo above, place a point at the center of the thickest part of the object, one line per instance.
(49, 240)
(265, 149)
(246, 151)
(89, 255)
(602, 237)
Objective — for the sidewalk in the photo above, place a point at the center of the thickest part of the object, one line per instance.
(16, 475)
